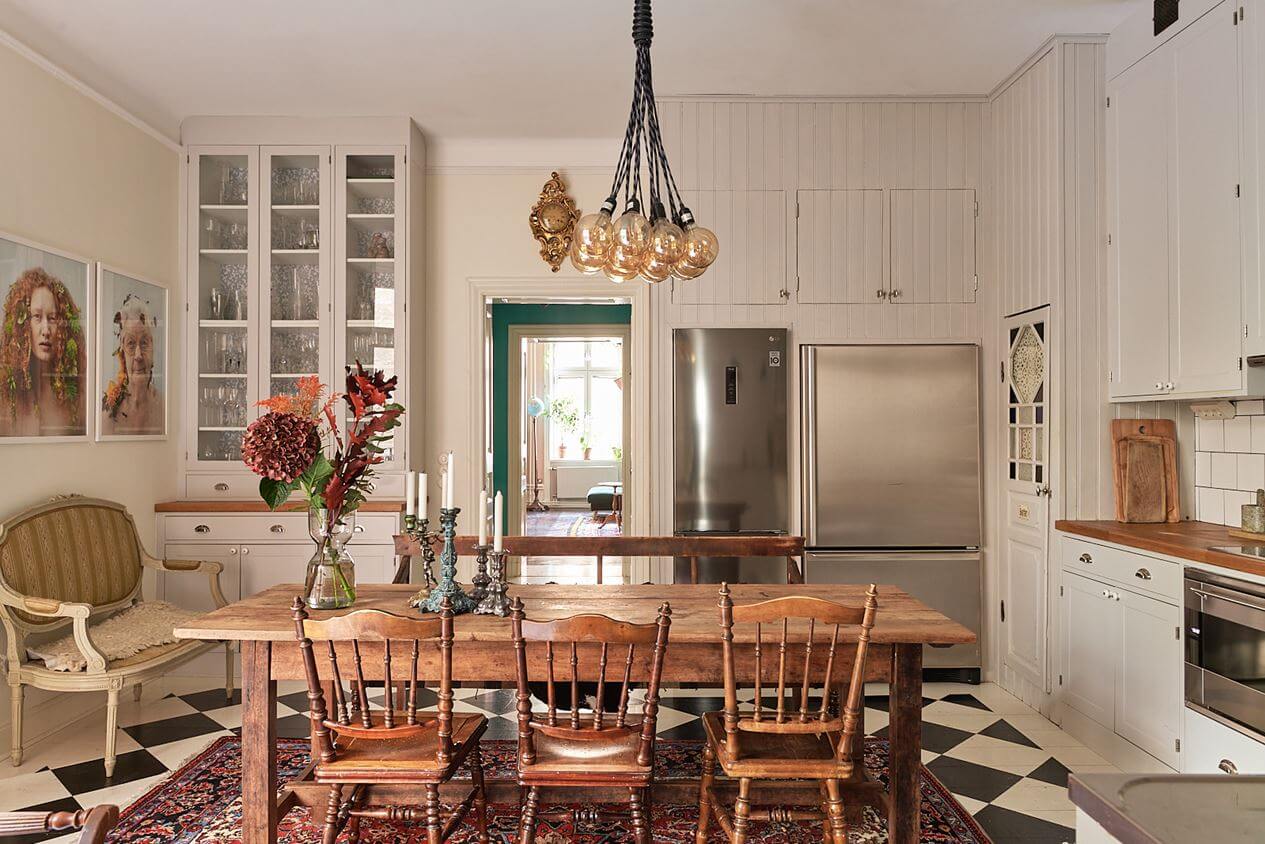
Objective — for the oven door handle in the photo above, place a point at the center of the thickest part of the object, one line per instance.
(1251, 606)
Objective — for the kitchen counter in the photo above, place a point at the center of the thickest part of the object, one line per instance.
(1167, 809)
(1185, 540)
(224, 505)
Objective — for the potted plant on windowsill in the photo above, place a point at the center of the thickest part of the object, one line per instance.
(566, 416)
(287, 448)
(585, 446)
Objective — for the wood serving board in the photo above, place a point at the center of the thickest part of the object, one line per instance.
(1144, 467)
(1247, 534)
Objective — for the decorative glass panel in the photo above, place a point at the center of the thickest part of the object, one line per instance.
(1026, 412)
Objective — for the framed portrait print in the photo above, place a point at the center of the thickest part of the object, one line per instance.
(131, 383)
(45, 343)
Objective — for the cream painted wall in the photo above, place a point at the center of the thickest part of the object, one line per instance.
(75, 176)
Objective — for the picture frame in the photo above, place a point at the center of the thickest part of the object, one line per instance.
(132, 375)
(45, 372)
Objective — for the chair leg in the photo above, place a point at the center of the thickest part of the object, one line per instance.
(638, 816)
(481, 796)
(704, 806)
(827, 837)
(111, 729)
(330, 833)
(742, 811)
(647, 801)
(228, 671)
(527, 825)
(434, 829)
(838, 823)
(15, 721)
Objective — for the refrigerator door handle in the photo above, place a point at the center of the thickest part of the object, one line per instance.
(808, 425)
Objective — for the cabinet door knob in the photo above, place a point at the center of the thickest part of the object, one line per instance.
(277, 528)
(1086, 559)
(1159, 385)
(221, 487)
(1106, 593)
(201, 528)
(1168, 386)
(1142, 574)
(232, 552)
(895, 294)
(245, 551)
(882, 294)
(1228, 766)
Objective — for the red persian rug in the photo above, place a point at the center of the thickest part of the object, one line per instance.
(201, 803)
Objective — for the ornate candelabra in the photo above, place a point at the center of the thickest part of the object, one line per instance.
(480, 581)
(495, 601)
(447, 586)
(417, 529)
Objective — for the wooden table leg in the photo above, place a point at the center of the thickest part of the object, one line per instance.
(905, 761)
(259, 745)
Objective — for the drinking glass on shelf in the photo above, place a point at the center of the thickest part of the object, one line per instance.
(212, 234)
(310, 182)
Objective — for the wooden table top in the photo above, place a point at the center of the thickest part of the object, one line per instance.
(902, 619)
(1184, 540)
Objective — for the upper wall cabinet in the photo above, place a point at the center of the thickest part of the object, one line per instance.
(842, 247)
(933, 246)
(751, 269)
(1175, 276)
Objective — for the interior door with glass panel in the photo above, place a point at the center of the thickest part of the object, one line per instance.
(297, 309)
(1026, 372)
(223, 268)
(371, 266)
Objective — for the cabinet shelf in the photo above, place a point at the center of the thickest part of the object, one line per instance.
(221, 323)
(237, 208)
(296, 323)
(296, 208)
(370, 216)
(382, 261)
(294, 375)
(369, 325)
(226, 428)
(371, 180)
(226, 376)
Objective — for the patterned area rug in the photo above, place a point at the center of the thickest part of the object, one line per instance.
(586, 526)
(201, 803)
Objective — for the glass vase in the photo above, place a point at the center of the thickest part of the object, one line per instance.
(331, 573)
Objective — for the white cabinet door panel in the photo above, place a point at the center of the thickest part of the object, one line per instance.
(193, 592)
(751, 269)
(1205, 284)
(268, 565)
(933, 246)
(1149, 687)
(842, 252)
(1091, 630)
(1138, 261)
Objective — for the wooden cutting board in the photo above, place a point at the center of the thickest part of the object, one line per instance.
(1144, 467)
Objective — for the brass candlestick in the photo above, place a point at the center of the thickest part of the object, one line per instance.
(418, 529)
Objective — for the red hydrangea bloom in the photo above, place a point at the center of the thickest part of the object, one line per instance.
(280, 446)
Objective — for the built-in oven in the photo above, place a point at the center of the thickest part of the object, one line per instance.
(1225, 650)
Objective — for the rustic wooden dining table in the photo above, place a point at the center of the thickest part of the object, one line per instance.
(263, 626)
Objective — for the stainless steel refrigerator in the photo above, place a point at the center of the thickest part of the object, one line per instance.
(891, 475)
(730, 433)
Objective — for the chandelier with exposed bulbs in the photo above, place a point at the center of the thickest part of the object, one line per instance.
(668, 244)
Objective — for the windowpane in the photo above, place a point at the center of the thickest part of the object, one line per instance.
(567, 401)
(606, 354)
(568, 354)
(607, 421)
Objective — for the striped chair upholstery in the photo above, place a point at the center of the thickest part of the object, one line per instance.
(78, 552)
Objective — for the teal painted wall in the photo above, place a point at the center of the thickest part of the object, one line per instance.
(505, 315)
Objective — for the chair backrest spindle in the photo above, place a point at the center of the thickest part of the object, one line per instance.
(781, 674)
(808, 661)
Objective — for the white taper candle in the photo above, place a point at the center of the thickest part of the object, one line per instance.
(498, 525)
(483, 517)
(421, 495)
(410, 495)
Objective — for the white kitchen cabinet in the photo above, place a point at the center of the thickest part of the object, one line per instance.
(1090, 623)
(751, 268)
(190, 592)
(1175, 275)
(842, 255)
(1211, 747)
(1149, 688)
(933, 247)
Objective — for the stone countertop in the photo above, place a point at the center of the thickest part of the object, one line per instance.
(1172, 808)
(1185, 540)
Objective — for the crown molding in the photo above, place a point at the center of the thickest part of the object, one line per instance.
(1040, 53)
(78, 85)
(508, 156)
(823, 98)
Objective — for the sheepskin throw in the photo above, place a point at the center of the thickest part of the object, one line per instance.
(145, 625)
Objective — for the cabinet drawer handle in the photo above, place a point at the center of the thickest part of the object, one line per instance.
(1142, 574)
(1086, 559)
(221, 487)
(202, 529)
(358, 529)
(1229, 767)
(277, 528)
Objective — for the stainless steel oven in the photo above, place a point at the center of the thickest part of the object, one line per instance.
(1225, 650)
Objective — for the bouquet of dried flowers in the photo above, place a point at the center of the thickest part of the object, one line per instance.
(287, 446)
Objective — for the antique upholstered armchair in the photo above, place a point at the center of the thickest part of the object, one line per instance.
(65, 564)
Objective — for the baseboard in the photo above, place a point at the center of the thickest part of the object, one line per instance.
(1118, 751)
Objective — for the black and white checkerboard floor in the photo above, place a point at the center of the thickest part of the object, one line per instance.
(1004, 762)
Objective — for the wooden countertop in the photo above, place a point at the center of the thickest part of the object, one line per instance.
(1186, 540)
(224, 505)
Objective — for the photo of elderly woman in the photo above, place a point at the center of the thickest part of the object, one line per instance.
(132, 357)
(43, 353)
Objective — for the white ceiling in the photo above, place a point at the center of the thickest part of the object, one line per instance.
(526, 68)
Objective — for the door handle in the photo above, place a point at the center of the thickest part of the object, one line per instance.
(1142, 574)
(1043, 491)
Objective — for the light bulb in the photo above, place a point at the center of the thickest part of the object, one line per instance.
(594, 233)
(701, 247)
(619, 273)
(667, 241)
(684, 271)
(632, 237)
(583, 261)
(656, 271)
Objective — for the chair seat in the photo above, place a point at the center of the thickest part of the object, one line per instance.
(610, 759)
(407, 758)
(777, 755)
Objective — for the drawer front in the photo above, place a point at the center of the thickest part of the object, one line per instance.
(224, 485)
(244, 527)
(1140, 573)
(1213, 748)
(376, 529)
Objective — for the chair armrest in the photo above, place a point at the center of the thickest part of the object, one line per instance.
(52, 608)
(210, 568)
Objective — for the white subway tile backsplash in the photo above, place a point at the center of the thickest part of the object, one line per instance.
(1233, 502)
(1210, 505)
(1238, 434)
(1225, 470)
(1210, 434)
(1203, 468)
(1258, 434)
(1251, 471)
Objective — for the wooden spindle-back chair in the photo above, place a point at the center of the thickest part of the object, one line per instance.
(357, 747)
(797, 740)
(95, 823)
(596, 749)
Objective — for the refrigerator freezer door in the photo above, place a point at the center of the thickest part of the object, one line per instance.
(892, 446)
(949, 583)
(730, 429)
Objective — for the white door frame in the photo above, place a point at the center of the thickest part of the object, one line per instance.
(580, 290)
(518, 333)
